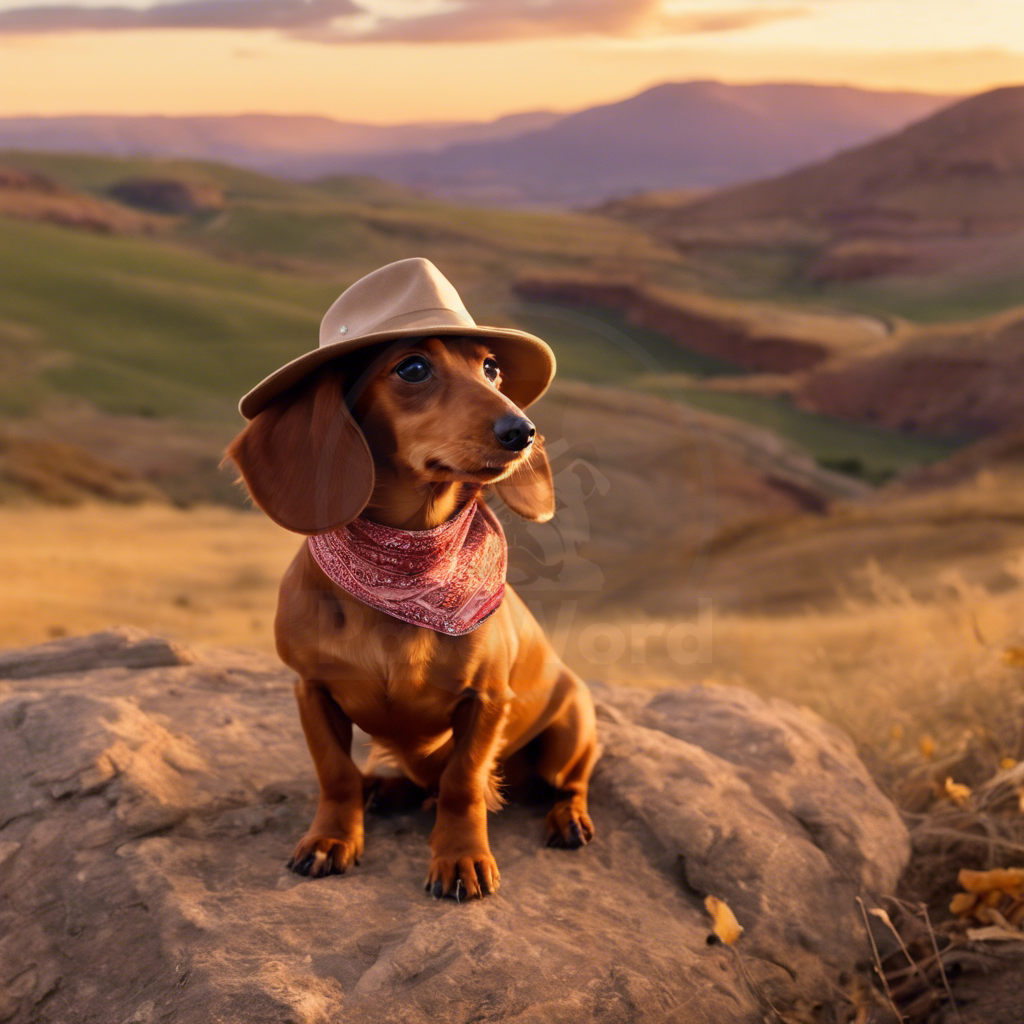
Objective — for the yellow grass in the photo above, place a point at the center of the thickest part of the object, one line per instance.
(207, 576)
(924, 687)
(914, 680)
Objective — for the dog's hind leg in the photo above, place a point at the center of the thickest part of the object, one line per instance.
(568, 752)
(392, 794)
(335, 838)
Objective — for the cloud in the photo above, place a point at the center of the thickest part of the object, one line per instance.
(482, 20)
(288, 15)
(468, 21)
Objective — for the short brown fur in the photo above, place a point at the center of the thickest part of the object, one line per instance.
(451, 711)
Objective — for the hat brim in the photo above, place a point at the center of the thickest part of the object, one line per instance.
(527, 362)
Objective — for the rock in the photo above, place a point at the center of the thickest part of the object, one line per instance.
(150, 812)
(125, 647)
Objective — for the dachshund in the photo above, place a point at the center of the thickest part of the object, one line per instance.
(423, 426)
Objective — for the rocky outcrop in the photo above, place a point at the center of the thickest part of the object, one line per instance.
(960, 381)
(169, 195)
(154, 794)
(730, 338)
(29, 195)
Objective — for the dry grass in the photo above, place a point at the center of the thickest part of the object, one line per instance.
(917, 683)
(901, 672)
(932, 692)
(207, 576)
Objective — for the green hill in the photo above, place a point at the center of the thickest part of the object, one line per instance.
(169, 318)
(182, 319)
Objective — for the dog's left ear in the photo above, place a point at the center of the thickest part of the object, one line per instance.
(529, 491)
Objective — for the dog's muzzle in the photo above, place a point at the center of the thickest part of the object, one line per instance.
(514, 432)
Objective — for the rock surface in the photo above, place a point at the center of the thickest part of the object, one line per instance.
(148, 809)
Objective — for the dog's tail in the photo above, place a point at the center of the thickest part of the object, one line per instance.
(493, 796)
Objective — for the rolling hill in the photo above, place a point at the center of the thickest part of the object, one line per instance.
(677, 135)
(959, 171)
(672, 136)
(154, 322)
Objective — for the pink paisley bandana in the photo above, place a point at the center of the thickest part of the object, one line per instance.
(448, 579)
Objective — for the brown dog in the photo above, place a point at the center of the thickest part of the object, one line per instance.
(423, 425)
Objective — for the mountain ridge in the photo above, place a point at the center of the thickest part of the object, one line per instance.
(731, 133)
(673, 135)
(960, 169)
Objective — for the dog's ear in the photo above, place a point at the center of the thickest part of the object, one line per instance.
(304, 459)
(529, 491)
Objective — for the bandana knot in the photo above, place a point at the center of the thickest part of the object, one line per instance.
(448, 579)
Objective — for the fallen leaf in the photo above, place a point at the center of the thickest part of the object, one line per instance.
(1008, 880)
(963, 904)
(958, 792)
(927, 747)
(726, 927)
(1007, 763)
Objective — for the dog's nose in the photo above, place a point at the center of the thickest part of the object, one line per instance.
(514, 432)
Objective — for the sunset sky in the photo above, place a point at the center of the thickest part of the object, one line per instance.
(390, 61)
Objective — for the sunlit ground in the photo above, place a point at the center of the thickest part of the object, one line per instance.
(892, 669)
(207, 576)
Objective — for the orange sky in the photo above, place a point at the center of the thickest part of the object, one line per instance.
(563, 65)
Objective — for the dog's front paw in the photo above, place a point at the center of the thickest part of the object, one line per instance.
(569, 826)
(318, 855)
(463, 876)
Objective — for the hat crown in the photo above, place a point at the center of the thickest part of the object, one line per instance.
(405, 294)
(409, 299)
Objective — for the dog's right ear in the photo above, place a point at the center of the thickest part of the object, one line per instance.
(304, 459)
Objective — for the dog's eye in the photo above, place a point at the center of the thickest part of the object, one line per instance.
(491, 369)
(415, 369)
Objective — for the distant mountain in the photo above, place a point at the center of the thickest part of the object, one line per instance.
(694, 134)
(685, 135)
(296, 146)
(959, 171)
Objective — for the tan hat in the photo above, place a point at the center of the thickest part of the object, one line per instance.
(409, 299)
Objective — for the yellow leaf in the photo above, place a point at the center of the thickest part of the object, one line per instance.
(1007, 763)
(958, 792)
(1008, 880)
(726, 927)
(927, 747)
(962, 904)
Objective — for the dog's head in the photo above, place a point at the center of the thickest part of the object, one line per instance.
(429, 410)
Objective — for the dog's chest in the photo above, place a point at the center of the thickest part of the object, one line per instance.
(402, 711)
(404, 682)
